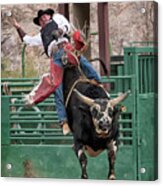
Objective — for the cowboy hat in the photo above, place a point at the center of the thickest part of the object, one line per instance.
(48, 11)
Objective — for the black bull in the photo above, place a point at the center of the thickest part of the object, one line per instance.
(92, 118)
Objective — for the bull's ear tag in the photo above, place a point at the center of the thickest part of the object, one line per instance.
(123, 108)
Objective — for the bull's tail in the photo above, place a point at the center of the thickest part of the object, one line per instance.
(102, 64)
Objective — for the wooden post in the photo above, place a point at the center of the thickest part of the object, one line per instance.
(64, 9)
(103, 28)
(155, 23)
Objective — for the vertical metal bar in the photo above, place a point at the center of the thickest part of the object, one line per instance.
(120, 82)
(126, 65)
(150, 73)
(130, 59)
(153, 71)
(145, 75)
(23, 62)
(140, 76)
(5, 120)
(134, 125)
(137, 122)
(139, 61)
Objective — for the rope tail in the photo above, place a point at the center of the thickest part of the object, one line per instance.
(102, 64)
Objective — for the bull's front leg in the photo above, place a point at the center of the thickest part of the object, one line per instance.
(112, 147)
(82, 159)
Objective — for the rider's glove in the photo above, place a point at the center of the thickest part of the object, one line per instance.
(57, 33)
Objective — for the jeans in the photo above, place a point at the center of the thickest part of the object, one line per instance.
(59, 98)
(88, 69)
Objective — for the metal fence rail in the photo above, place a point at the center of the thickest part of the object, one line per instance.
(39, 124)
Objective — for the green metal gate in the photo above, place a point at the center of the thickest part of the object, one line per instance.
(33, 144)
(143, 62)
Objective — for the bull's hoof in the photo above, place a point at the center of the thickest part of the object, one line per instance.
(112, 177)
(84, 176)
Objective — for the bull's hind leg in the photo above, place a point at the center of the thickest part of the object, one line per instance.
(82, 159)
(111, 157)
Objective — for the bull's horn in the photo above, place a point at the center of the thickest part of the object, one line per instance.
(84, 99)
(120, 98)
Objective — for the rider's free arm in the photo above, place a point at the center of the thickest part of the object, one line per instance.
(29, 40)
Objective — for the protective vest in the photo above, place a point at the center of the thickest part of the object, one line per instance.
(47, 34)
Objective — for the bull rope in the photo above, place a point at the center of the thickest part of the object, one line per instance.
(84, 80)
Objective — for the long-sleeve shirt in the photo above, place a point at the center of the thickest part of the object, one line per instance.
(62, 24)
